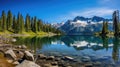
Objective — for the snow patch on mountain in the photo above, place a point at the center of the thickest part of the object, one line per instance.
(83, 26)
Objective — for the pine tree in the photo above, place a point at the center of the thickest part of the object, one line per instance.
(35, 25)
(39, 25)
(105, 28)
(27, 23)
(22, 29)
(0, 24)
(9, 21)
(116, 22)
(18, 23)
(32, 24)
(4, 21)
(14, 26)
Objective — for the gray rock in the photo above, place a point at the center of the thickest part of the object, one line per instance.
(68, 58)
(23, 47)
(9, 61)
(26, 63)
(19, 46)
(51, 58)
(13, 40)
(19, 54)
(97, 63)
(28, 56)
(16, 63)
(49, 65)
(86, 59)
(54, 63)
(42, 56)
(57, 59)
(10, 54)
(88, 64)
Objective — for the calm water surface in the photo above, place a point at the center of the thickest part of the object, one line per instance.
(100, 49)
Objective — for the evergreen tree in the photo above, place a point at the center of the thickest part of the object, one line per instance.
(116, 22)
(18, 23)
(14, 26)
(105, 28)
(0, 24)
(22, 29)
(9, 21)
(35, 25)
(32, 24)
(27, 23)
(4, 21)
(39, 25)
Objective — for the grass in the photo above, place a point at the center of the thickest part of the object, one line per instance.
(40, 34)
(110, 34)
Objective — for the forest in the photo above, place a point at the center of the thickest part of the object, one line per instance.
(20, 25)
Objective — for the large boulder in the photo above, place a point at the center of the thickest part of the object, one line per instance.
(10, 54)
(28, 56)
(26, 63)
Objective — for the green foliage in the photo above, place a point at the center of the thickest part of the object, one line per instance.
(4, 26)
(105, 29)
(35, 25)
(9, 21)
(116, 23)
(27, 23)
(19, 25)
(14, 26)
(0, 24)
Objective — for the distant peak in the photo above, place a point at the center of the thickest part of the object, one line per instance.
(94, 19)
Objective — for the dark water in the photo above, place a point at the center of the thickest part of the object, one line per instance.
(95, 49)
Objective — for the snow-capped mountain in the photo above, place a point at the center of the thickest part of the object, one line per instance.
(84, 26)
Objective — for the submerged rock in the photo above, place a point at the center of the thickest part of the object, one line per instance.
(68, 58)
(86, 59)
(10, 54)
(26, 63)
(28, 56)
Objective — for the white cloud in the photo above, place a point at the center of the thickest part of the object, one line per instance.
(102, 12)
(94, 12)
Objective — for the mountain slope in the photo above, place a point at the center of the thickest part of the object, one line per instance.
(84, 26)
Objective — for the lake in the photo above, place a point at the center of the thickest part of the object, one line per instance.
(82, 48)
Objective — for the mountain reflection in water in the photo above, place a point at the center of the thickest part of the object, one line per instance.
(73, 44)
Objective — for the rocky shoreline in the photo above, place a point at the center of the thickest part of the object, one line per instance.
(21, 56)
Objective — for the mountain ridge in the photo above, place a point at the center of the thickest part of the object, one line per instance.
(83, 26)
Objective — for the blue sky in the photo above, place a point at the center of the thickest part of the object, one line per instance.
(61, 10)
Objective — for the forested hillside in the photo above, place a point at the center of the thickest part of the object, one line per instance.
(19, 25)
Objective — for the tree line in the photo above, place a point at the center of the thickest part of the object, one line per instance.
(116, 25)
(19, 24)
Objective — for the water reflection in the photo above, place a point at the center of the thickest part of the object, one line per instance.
(115, 53)
(78, 43)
